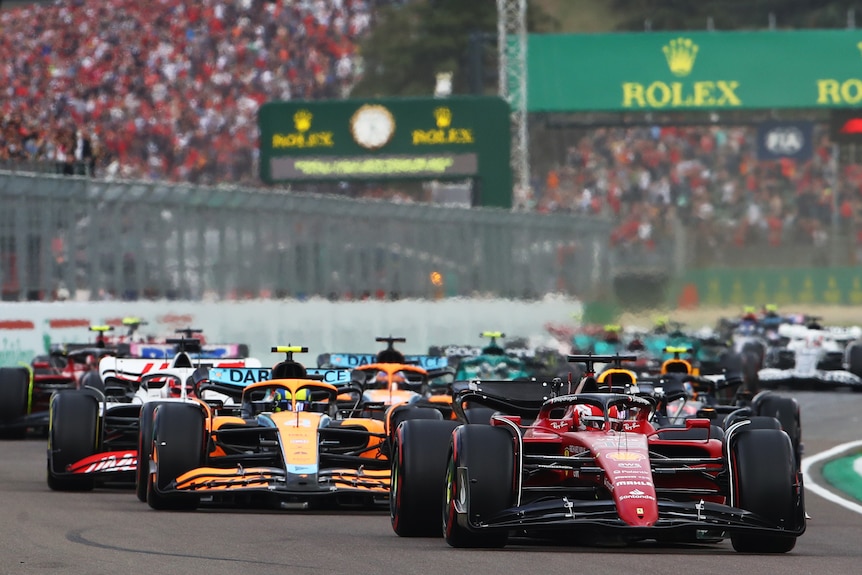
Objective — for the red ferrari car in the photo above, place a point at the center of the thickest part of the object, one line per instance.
(592, 466)
(25, 391)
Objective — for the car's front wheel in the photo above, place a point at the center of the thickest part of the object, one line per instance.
(72, 436)
(763, 471)
(417, 480)
(178, 447)
(487, 453)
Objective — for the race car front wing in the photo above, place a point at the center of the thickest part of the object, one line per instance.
(677, 520)
(279, 481)
(809, 378)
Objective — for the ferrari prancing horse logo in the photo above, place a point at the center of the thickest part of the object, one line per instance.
(625, 456)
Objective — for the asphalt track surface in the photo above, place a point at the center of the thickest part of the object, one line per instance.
(108, 531)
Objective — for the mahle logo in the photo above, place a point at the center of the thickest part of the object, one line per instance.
(680, 54)
(302, 138)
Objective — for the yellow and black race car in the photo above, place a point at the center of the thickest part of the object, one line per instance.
(288, 444)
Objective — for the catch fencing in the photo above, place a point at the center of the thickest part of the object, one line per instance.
(78, 238)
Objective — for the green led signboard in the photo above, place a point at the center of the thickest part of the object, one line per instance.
(727, 70)
(404, 138)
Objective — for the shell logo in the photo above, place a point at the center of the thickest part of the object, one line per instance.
(625, 456)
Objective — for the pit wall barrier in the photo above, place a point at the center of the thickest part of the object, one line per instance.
(28, 329)
(788, 286)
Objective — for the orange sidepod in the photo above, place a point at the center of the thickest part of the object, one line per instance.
(375, 439)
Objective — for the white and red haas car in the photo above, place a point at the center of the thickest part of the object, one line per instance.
(94, 431)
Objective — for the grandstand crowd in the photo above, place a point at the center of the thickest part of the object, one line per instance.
(169, 90)
(707, 178)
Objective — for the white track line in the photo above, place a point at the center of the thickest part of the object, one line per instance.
(812, 487)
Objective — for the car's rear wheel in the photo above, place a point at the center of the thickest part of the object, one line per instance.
(479, 414)
(405, 412)
(93, 380)
(488, 454)
(417, 480)
(854, 358)
(73, 434)
(14, 396)
(763, 482)
(178, 447)
(751, 364)
(786, 411)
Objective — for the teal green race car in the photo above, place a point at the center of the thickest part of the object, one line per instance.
(492, 362)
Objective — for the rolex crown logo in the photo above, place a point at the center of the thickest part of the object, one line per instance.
(443, 116)
(680, 54)
(302, 120)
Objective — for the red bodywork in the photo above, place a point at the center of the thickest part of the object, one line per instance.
(616, 451)
(59, 372)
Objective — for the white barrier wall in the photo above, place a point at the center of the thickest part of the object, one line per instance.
(26, 329)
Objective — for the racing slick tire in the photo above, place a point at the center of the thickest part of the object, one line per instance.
(178, 447)
(409, 412)
(762, 481)
(404, 413)
(489, 456)
(479, 414)
(419, 452)
(854, 359)
(92, 380)
(758, 350)
(786, 411)
(14, 397)
(145, 448)
(751, 364)
(73, 434)
(731, 363)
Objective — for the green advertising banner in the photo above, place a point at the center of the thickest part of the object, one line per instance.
(694, 70)
(415, 138)
(743, 287)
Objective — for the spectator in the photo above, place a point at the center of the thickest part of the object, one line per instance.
(708, 176)
(170, 88)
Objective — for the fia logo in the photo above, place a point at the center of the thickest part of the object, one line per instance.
(784, 140)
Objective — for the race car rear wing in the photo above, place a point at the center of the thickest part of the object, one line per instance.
(524, 398)
(231, 381)
(353, 360)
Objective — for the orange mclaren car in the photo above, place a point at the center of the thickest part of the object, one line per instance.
(290, 443)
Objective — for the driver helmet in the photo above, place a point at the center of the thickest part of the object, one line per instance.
(583, 413)
(397, 380)
(636, 345)
(770, 310)
(747, 329)
(281, 399)
(501, 370)
(689, 390)
(617, 416)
